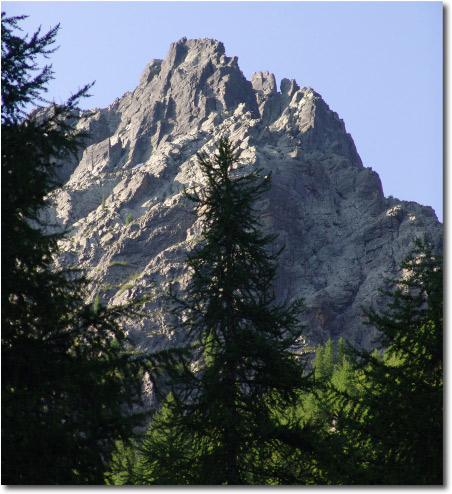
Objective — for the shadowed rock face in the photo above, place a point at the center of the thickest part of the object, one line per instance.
(342, 236)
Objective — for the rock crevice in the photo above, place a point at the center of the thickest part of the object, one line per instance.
(342, 236)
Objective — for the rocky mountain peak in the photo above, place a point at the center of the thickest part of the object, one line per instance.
(195, 79)
(130, 228)
(263, 83)
(194, 51)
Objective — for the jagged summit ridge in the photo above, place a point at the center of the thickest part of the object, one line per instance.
(196, 79)
(342, 235)
(198, 85)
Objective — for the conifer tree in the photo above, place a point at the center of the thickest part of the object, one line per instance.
(247, 369)
(394, 431)
(68, 379)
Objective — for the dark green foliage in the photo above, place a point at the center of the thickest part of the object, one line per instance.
(402, 399)
(240, 410)
(125, 464)
(333, 366)
(19, 55)
(225, 421)
(392, 430)
(313, 453)
(166, 457)
(68, 376)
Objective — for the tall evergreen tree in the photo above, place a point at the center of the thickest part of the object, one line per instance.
(394, 432)
(68, 379)
(247, 369)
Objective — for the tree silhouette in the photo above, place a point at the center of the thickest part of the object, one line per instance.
(69, 381)
(247, 367)
(394, 431)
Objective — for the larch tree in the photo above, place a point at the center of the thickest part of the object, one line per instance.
(69, 379)
(225, 416)
(394, 430)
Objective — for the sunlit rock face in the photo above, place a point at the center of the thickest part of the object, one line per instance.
(342, 237)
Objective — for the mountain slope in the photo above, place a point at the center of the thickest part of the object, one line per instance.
(342, 236)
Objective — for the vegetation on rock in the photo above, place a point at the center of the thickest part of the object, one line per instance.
(396, 427)
(239, 404)
(129, 219)
(382, 411)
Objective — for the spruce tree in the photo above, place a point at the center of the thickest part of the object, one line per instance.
(69, 380)
(247, 368)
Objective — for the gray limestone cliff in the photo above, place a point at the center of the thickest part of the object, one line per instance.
(342, 236)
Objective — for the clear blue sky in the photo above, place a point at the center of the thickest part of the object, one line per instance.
(377, 64)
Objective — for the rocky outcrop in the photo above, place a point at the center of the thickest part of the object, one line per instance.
(342, 236)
